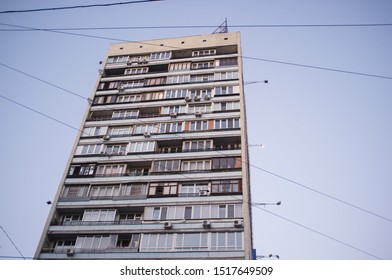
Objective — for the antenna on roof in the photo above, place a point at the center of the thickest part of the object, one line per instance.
(222, 28)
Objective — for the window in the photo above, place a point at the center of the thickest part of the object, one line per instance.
(202, 65)
(140, 59)
(140, 147)
(143, 128)
(93, 131)
(134, 189)
(191, 241)
(179, 79)
(226, 186)
(203, 53)
(170, 127)
(198, 125)
(225, 163)
(129, 217)
(119, 149)
(71, 219)
(128, 242)
(197, 145)
(155, 81)
(63, 245)
(227, 123)
(99, 215)
(202, 93)
(179, 66)
(104, 99)
(162, 189)
(108, 85)
(226, 241)
(122, 115)
(95, 243)
(175, 93)
(118, 59)
(194, 189)
(202, 78)
(166, 110)
(120, 131)
(81, 170)
(128, 98)
(156, 242)
(132, 84)
(134, 171)
(136, 71)
(152, 95)
(75, 191)
(111, 170)
(159, 213)
(166, 165)
(226, 106)
(88, 149)
(199, 108)
(196, 165)
(160, 56)
(170, 149)
(226, 75)
(228, 61)
(104, 191)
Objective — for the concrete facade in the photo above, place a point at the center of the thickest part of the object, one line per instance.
(160, 168)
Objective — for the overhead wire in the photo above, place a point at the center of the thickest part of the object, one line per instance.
(233, 196)
(203, 26)
(181, 137)
(77, 7)
(317, 232)
(250, 164)
(12, 242)
(166, 46)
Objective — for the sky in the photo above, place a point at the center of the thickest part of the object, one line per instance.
(326, 135)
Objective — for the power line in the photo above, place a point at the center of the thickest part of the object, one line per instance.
(9, 238)
(15, 257)
(38, 112)
(76, 7)
(317, 232)
(205, 26)
(245, 57)
(181, 137)
(247, 202)
(318, 67)
(41, 80)
(320, 192)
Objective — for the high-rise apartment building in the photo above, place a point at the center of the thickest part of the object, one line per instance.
(159, 169)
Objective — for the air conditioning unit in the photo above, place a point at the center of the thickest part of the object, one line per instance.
(102, 153)
(198, 113)
(188, 99)
(106, 137)
(206, 224)
(173, 114)
(196, 98)
(238, 223)
(204, 192)
(70, 252)
(147, 134)
(167, 225)
(207, 97)
(121, 153)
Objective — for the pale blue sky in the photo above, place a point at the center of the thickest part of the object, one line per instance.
(329, 131)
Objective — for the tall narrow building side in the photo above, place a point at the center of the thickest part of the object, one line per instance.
(160, 168)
